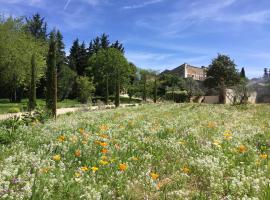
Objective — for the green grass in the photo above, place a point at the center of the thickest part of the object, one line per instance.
(171, 151)
(7, 107)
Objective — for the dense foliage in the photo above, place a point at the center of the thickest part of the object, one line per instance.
(16, 50)
(222, 69)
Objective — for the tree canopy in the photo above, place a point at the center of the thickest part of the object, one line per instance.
(16, 50)
(221, 69)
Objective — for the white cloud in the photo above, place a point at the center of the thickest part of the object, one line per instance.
(162, 61)
(93, 3)
(259, 17)
(143, 4)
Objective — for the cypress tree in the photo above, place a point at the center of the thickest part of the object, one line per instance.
(265, 73)
(117, 89)
(155, 89)
(243, 73)
(61, 58)
(51, 76)
(107, 89)
(32, 93)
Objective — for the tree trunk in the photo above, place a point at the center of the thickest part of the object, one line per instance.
(144, 88)
(222, 95)
(117, 90)
(173, 93)
(32, 92)
(107, 90)
(55, 93)
(155, 90)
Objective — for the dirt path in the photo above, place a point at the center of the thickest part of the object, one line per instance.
(62, 111)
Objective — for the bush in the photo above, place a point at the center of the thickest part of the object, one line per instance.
(8, 129)
(85, 88)
(179, 96)
(14, 110)
(38, 116)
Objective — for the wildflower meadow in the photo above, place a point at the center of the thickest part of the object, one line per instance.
(164, 151)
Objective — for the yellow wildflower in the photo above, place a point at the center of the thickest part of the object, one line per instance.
(56, 157)
(73, 139)
(263, 156)
(84, 169)
(216, 143)
(258, 162)
(227, 135)
(94, 169)
(104, 157)
(104, 127)
(81, 130)
(104, 136)
(61, 138)
(84, 142)
(154, 176)
(242, 149)
(211, 125)
(185, 170)
(103, 162)
(122, 167)
(77, 153)
(44, 170)
(135, 158)
(77, 174)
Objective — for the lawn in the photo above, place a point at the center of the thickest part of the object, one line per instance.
(173, 151)
(7, 107)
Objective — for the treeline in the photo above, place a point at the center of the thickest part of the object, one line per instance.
(34, 64)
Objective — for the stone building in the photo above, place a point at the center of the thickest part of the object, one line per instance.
(185, 70)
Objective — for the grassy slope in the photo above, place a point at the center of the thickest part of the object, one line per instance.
(184, 144)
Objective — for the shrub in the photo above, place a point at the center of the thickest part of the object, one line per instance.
(85, 88)
(179, 96)
(13, 110)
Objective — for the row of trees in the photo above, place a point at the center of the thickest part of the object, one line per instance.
(33, 63)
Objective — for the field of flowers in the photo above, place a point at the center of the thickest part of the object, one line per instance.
(185, 151)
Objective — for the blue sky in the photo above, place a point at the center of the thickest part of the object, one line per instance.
(162, 34)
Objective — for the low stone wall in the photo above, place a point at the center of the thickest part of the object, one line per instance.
(211, 99)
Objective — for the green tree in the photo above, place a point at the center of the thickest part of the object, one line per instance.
(66, 81)
(109, 66)
(144, 75)
(51, 76)
(103, 42)
(222, 69)
(243, 73)
(61, 58)
(65, 75)
(15, 61)
(37, 27)
(85, 88)
(119, 46)
(32, 93)
(192, 88)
